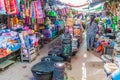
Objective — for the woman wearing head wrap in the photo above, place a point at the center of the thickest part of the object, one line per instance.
(91, 28)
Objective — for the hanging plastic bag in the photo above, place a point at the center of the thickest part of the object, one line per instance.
(35, 12)
(18, 5)
(99, 48)
(39, 9)
(2, 7)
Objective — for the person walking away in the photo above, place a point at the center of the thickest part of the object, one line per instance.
(91, 30)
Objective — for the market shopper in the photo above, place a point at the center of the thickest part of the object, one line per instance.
(91, 30)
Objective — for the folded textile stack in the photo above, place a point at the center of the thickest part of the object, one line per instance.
(117, 60)
(110, 67)
(9, 42)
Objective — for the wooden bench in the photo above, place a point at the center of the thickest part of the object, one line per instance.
(5, 64)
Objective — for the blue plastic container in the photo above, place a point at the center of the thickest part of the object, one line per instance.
(116, 75)
(58, 73)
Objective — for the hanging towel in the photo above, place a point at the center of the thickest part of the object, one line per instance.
(39, 9)
(35, 10)
(2, 7)
(13, 7)
(7, 4)
(22, 8)
(18, 5)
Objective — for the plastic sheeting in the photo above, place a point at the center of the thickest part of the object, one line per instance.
(2, 7)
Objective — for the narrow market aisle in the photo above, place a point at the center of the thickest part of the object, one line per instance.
(86, 66)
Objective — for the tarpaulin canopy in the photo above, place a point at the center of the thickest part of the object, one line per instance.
(74, 3)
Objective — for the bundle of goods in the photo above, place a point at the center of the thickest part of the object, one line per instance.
(110, 35)
(110, 68)
(52, 15)
(28, 41)
(63, 11)
(69, 22)
(116, 75)
(53, 30)
(67, 44)
(50, 30)
(9, 42)
(117, 60)
(76, 29)
(117, 45)
(117, 48)
(58, 25)
(75, 45)
(104, 42)
(28, 37)
(105, 46)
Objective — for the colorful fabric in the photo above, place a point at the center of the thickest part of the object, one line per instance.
(11, 7)
(32, 10)
(39, 9)
(22, 8)
(7, 3)
(27, 12)
(35, 10)
(40, 20)
(69, 21)
(2, 7)
(18, 5)
(15, 20)
(76, 32)
(11, 21)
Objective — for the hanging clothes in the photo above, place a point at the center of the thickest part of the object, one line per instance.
(39, 9)
(35, 10)
(2, 7)
(11, 7)
(18, 5)
(22, 7)
(7, 4)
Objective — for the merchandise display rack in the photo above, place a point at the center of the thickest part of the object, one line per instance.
(32, 54)
(9, 59)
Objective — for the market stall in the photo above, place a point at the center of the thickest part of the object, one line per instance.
(107, 40)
